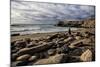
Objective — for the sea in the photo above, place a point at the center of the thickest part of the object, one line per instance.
(23, 29)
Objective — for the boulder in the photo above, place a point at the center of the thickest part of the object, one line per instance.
(86, 56)
(58, 58)
(23, 57)
(76, 44)
(68, 39)
(34, 49)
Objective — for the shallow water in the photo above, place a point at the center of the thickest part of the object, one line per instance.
(37, 28)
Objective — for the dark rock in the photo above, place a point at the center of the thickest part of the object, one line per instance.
(19, 63)
(17, 34)
(20, 44)
(65, 49)
(51, 51)
(13, 57)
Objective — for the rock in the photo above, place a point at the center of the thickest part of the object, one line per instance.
(17, 34)
(13, 57)
(53, 36)
(14, 51)
(59, 50)
(86, 56)
(27, 40)
(51, 52)
(34, 49)
(20, 44)
(65, 49)
(77, 37)
(19, 63)
(58, 58)
(76, 51)
(23, 57)
(31, 44)
(76, 44)
(32, 58)
(68, 39)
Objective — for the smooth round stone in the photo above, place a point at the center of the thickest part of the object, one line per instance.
(78, 37)
(32, 58)
(51, 52)
(23, 57)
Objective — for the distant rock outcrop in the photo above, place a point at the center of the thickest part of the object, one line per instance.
(88, 23)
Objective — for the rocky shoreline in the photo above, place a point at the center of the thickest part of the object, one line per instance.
(60, 47)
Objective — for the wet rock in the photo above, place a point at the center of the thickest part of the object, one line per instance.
(34, 49)
(23, 57)
(51, 51)
(58, 58)
(32, 58)
(20, 44)
(86, 56)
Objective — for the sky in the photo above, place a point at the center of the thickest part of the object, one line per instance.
(28, 12)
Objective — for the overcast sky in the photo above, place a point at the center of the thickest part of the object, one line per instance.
(36, 12)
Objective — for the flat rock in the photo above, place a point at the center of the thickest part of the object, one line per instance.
(86, 56)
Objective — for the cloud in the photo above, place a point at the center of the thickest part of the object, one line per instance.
(34, 12)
